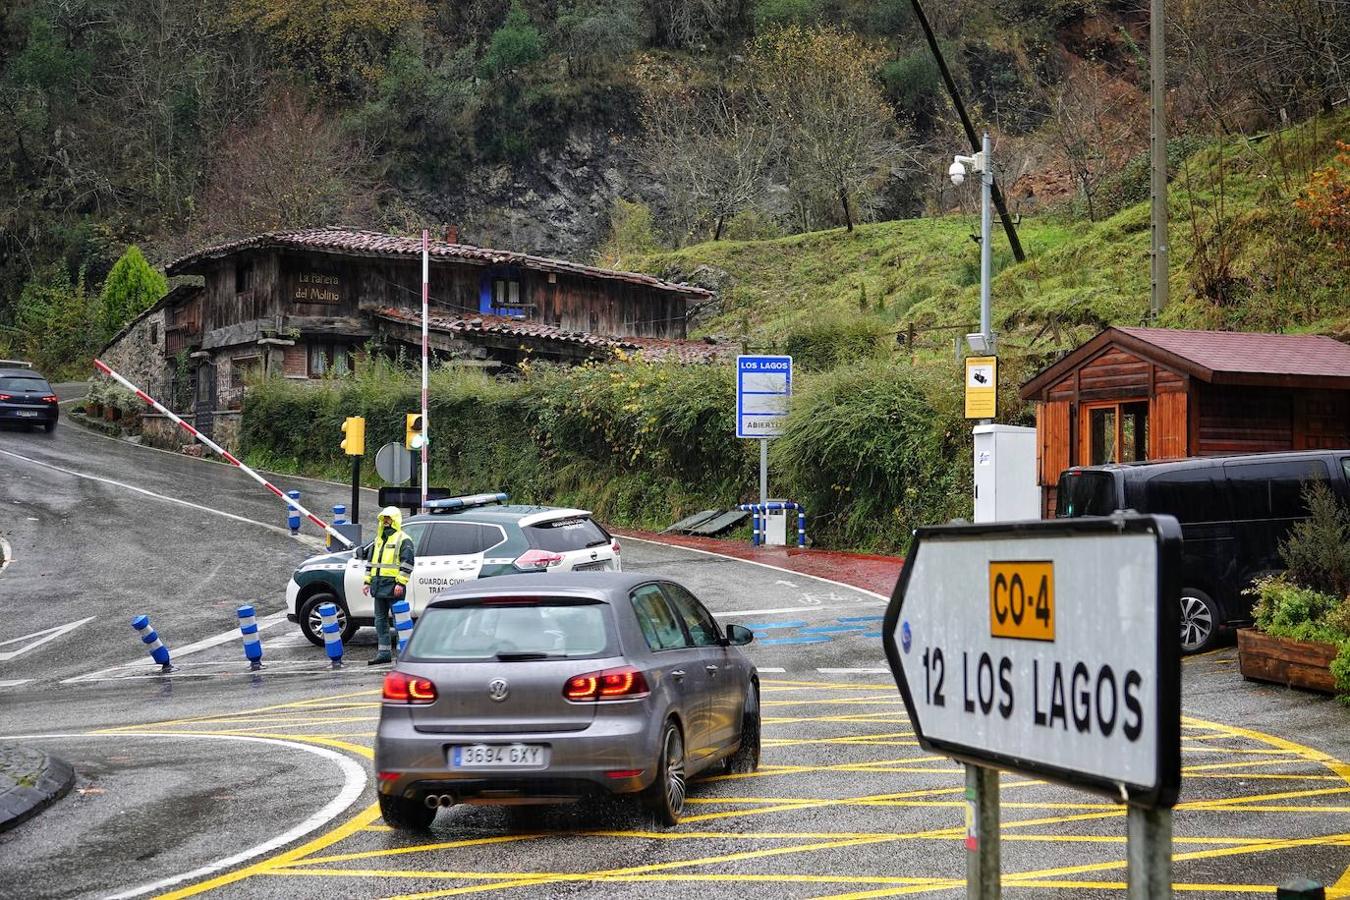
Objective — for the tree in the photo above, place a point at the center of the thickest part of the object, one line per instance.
(840, 138)
(56, 320)
(595, 33)
(514, 46)
(130, 288)
(712, 150)
(294, 167)
(1095, 123)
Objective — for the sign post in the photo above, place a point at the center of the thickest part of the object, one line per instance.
(1049, 649)
(763, 388)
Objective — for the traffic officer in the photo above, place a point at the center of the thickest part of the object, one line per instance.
(387, 573)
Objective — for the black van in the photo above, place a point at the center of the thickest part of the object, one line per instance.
(1233, 510)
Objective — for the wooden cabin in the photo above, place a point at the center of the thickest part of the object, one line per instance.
(1134, 394)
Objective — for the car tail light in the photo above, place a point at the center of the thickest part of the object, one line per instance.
(627, 683)
(51, 398)
(6, 396)
(537, 560)
(615, 546)
(400, 688)
(624, 773)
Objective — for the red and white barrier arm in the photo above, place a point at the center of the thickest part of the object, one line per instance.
(230, 457)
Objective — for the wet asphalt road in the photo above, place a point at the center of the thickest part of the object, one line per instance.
(845, 803)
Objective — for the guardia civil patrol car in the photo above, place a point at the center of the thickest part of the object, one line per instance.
(460, 539)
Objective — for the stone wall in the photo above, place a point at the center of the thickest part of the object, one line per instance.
(138, 355)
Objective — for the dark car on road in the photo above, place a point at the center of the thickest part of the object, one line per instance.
(1234, 512)
(27, 399)
(540, 689)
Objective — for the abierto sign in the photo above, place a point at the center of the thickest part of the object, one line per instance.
(1047, 648)
(763, 389)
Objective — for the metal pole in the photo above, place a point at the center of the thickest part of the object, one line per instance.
(1157, 67)
(982, 850)
(356, 489)
(763, 471)
(986, 244)
(1148, 853)
(426, 293)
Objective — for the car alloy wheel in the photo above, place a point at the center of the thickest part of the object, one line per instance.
(1197, 622)
(674, 769)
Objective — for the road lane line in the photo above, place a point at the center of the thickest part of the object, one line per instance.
(14, 682)
(353, 784)
(754, 562)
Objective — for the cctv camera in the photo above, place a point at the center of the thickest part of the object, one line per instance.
(957, 173)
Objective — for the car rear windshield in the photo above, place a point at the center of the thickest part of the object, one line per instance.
(518, 631)
(1085, 494)
(562, 535)
(24, 383)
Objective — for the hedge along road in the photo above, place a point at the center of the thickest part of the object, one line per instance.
(846, 804)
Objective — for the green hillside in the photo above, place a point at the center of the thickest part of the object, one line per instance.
(1261, 265)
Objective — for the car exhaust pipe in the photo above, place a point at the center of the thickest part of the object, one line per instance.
(447, 800)
(434, 800)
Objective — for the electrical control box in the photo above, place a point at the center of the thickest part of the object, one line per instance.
(1005, 474)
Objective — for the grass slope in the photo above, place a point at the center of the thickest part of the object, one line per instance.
(1233, 199)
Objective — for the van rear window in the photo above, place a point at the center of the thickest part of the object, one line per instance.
(1085, 494)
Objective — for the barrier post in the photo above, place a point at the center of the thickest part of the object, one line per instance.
(402, 622)
(248, 631)
(292, 513)
(332, 633)
(801, 527)
(153, 645)
(339, 514)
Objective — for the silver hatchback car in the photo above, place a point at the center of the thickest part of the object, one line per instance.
(534, 689)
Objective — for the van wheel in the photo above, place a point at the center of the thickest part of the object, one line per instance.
(1199, 621)
(311, 623)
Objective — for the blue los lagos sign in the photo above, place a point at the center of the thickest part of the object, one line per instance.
(763, 386)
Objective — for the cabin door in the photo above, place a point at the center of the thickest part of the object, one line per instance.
(204, 404)
(1112, 432)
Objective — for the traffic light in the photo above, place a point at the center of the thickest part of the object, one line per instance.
(413, 436)
(354, 436)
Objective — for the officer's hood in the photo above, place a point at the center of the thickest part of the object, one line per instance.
(390, 515)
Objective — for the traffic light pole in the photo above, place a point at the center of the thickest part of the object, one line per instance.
(356, 490)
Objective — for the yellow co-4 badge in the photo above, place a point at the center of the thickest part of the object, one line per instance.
(981, 387)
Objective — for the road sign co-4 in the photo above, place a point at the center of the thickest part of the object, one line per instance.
(1047, 648)
(763, 388)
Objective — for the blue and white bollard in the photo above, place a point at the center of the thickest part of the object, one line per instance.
(340, 514)
(801, 527)
(402, 622)
(332, 634)
(153, 645)
(248, 630)
(293, 514)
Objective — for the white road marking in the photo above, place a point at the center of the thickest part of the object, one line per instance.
(304, 539)
(788, 583)
(793, 609)
(14, 682)
(774, 670)
(204, 644)
(754, 562)
(43, 636)
(856, 671)
(353, 784)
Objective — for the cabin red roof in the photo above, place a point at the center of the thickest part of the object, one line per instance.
(355, 242)
(1219, 357)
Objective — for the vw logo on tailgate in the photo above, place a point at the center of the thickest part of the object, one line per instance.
(498, 689)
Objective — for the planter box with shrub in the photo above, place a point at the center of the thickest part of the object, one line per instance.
(1300, 664)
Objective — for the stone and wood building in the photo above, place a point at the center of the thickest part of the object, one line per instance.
(1132, 394)
(307, 303)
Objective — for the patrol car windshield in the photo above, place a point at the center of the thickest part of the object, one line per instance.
(24, 383)
(511, 631)
(562, 535)
(1085, 494)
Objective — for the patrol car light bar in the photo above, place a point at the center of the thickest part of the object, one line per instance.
(467, 501)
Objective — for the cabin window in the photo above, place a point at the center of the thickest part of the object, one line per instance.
(505, 293)
(243, 277)
(1114, 432)
(154, 332)
(320, 357)
(242, 368)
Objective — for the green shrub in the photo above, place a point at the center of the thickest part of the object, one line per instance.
(1317, 551)
(1286, 609)
(830, 342)
(130, 288)
(513, 46)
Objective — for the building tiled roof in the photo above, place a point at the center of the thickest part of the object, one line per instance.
(355, 242)
(1251, 352)
(654, 349)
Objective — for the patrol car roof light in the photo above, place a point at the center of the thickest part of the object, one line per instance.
(467, 502)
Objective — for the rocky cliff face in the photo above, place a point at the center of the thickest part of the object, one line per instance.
(555, 203)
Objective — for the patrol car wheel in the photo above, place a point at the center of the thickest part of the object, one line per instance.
(311, 623)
